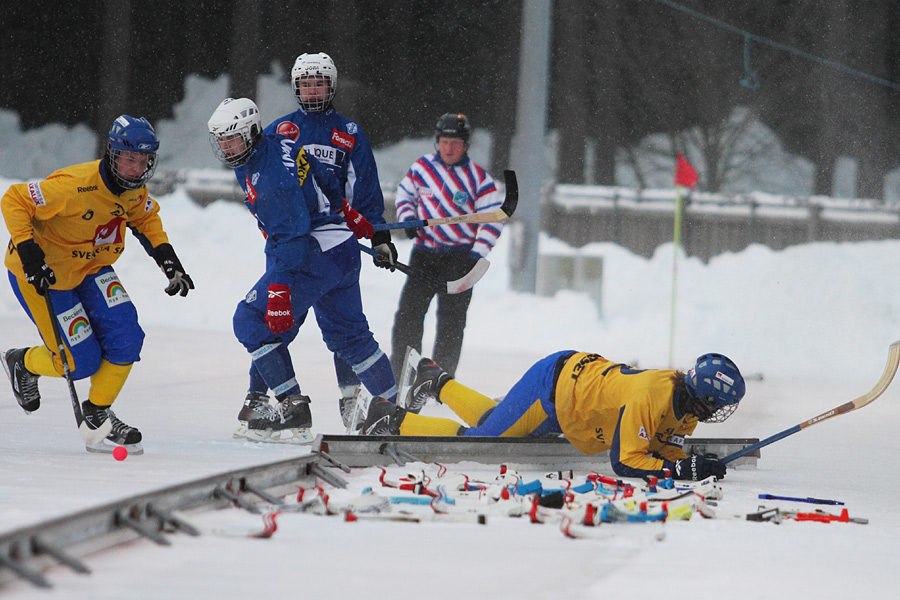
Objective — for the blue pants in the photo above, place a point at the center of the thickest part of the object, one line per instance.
(97, 321)
(328, 282)
(536, 385)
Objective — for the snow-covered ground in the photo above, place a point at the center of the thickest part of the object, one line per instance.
(811, 324)
(815, 321)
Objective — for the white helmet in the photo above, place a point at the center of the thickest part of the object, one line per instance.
(320, 68)
(234, 128)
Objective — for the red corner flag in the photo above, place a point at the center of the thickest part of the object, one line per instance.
(685, 174)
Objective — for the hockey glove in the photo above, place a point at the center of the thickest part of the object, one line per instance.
(387, 252)
(699, 466)
(37, 273)
(279, 317)
(357, 223)
(179, 281)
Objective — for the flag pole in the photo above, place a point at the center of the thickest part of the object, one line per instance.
(685, 176)
(676, 246)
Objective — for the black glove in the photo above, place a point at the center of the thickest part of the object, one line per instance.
(387, 252)
(699, 466)
(179, 281)
(411, 234)
(37, 273)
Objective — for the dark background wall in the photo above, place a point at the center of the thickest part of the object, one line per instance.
(620, 69)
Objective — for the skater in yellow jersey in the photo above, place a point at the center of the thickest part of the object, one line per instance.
(66, 232)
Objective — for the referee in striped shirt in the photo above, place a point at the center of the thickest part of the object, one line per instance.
(445, 183)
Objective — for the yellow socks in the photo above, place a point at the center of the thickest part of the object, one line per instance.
(466, 402)
(414, 424)
(107, 382)
(39, 360)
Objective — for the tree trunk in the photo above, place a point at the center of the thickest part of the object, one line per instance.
(114, 76)
(569, 94)
(245, 56)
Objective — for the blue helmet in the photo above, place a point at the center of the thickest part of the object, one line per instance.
(715, 387)
(128, 134)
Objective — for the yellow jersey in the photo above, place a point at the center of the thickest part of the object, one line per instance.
(602, 405)
(77, 221)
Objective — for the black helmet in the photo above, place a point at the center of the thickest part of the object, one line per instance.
(453, 125)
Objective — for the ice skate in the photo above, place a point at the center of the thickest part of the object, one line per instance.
(384, 418)
(24, 382)
(430, 378)
(289, 422)
(121, 433)
(256, 405)
(354, 410)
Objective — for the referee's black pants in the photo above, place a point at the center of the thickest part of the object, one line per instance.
(451, 309)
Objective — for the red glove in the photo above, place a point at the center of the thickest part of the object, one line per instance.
(357, 223)
(279, 317)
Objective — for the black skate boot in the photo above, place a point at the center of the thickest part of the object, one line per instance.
(24, 382)
(256, 405)
(430, 378)
(121, 433)
(289, 422)
(384, 418)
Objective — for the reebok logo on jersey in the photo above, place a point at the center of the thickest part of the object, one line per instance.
(344, 140)
(34, 190)
(90, 188)
(288, 130)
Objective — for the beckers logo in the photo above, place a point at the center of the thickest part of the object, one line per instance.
(75, 324)
(288, 130)
(344, 140)
(111, 289)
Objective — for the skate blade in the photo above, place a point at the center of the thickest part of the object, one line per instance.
(276, 436)
(241, 432)
(107, 447)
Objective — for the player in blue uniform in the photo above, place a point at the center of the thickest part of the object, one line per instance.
(341, 146)
(312, 261)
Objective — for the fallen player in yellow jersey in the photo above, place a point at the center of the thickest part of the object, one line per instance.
(640, 415)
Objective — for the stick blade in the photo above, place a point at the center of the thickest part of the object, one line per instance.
(94, 436)
(512, 193)
(890, 370)
(467, 281)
